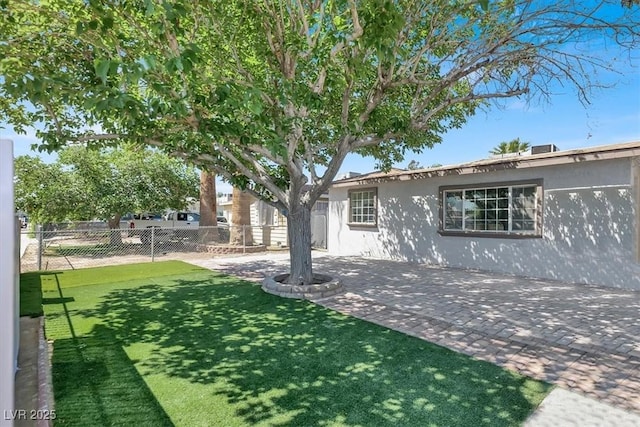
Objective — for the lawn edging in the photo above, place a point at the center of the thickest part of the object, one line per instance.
(328, 287)
(34, 389)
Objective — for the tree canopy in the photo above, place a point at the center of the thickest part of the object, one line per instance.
(44, 191)
(85, 184)
(272, 95)
(413, 165)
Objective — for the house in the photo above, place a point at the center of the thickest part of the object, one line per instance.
(569, 215)
(270, 225)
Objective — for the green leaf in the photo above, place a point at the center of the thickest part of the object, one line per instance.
(149, 7)
(255, 106)
(174, 64)
(223, 92)
(107, 23)
(102, 69)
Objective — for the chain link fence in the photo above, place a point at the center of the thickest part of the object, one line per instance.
(73, 245)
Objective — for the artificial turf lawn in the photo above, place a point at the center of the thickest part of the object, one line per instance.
(30, 295)
(172, 344)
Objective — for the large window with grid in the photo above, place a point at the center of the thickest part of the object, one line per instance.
(513, 209)
(362, 207)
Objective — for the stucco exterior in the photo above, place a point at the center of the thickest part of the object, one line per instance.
(9, 303)
(589, 222)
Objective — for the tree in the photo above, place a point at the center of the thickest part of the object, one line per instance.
(241, 232)
(413, 165)
(272, 95)
(86, 184)
(45, 191)
(513, 146)
(208, 207)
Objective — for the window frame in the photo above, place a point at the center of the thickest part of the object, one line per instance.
(350, 221)
(509, 234)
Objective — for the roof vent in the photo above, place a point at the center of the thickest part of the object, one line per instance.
(546, 148)
(348, 175)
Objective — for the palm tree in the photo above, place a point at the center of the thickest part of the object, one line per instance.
(513, 146)
(208, 207)
(241, 219)
(413, 165)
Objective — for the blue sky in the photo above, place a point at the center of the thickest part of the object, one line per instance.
(613, 116)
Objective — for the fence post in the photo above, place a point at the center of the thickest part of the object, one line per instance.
(40, 248)
(153, 243)
(244, 239)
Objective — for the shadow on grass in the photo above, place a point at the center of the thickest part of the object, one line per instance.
(95, 384)
(31, 294)
(275, 361)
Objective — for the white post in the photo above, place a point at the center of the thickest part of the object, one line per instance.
(153, 243)
(39, 233)
(9, 326)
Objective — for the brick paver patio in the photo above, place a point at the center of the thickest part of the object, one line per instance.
(583, 338)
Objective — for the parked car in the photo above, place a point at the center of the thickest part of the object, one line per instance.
(173, 227)
(166, 229)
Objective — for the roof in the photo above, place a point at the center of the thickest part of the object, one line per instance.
(603, 152)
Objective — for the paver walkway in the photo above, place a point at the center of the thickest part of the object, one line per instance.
(583, 338)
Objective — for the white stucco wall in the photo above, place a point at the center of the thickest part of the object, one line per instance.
(8, 284)
(588, 226)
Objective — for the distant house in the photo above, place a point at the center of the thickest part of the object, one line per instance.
(270, 225)
(568, 215)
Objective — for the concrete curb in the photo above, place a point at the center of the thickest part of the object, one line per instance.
(33, 388)
(45, 385)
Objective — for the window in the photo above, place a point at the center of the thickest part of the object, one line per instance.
(511, 209)
(362, 206)
(266, 214)
(321, 207)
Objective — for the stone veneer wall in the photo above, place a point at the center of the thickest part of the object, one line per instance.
(328, 287)
(227, 249)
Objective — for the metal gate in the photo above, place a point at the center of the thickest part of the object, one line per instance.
(319, 230)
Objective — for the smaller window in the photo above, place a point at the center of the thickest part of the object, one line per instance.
(266, 214)
(321, 206)
(363, 207)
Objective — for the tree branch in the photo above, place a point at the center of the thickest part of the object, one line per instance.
(261, 177)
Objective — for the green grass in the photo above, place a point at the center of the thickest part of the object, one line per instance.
(171, 344)
(30, 295)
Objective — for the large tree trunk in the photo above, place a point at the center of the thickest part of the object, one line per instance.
(299, 230)
(208, 208)
(241, 219)
(115, 238)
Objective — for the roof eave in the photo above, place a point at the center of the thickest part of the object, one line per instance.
(607, 152)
